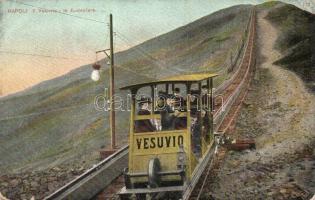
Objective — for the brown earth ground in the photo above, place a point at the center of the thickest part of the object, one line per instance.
(279, 113)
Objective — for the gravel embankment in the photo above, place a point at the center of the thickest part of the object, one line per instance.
(38, 184)
(279, 114)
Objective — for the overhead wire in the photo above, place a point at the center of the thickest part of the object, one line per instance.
(82, 18)
(37, 62)
(153, 60)
(141, 51)
(47, 56)
(59, 12)
(124, 68)
(121, 36)
(56, 11)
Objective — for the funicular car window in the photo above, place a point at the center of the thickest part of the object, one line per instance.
(166, 112)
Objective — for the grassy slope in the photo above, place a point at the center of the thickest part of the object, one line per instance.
(296, 41)
(55, 121)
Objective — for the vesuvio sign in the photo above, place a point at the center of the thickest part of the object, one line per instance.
(158, 142)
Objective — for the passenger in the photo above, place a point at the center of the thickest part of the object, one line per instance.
(206, 106)
(180, 105)
(194, 102)
(205, 96)
(195, 122)
(144, 125)
(196, 135)
(161, 102)
(179, 100)
(207, 130)
(160, 105)
(181, 123)
(165, 107)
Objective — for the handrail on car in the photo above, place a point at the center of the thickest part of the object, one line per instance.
(160, 131)
(157, 116)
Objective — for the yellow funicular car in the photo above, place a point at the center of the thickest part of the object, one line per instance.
(171, 135)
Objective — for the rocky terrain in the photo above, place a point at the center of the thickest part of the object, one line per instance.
(37, 184)
(279, 113)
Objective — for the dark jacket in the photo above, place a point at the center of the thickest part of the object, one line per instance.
(180, 103)
(144, 125)
(167, 120)
(194, 107)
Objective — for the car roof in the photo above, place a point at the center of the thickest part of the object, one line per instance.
(186, 78)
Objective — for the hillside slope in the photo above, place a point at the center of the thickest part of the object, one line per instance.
(279, 113)
(296, 41)
(55, 122)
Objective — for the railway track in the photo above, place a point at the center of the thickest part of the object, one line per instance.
(93, 180)
(236, 88)
(105, 179)
(239, 89)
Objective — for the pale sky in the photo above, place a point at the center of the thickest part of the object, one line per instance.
(59, 42)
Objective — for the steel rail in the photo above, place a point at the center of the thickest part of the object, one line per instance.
(229, 103)
(86, 174)
(200, 169)
(226, 83)
(242, 85)
(60, 193)
(220, 114)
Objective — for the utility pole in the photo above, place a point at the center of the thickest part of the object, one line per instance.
(112, 86)
(96, 76)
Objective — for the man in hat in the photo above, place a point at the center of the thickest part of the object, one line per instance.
(179, 103)
(206, 107)
(195, 108)
(205, 96)
(194, 104)
(144, 125)
(168, 115)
